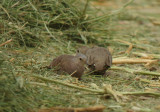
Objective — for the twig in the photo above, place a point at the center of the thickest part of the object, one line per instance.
(8, 41)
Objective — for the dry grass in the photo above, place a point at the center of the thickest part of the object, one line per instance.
(42, 30)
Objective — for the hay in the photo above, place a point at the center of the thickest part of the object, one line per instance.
(47, 28)
(34, 23)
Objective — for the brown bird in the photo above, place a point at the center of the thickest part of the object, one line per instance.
(99, 59)
(70, 64)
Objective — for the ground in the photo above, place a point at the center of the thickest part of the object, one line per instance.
(139, 24)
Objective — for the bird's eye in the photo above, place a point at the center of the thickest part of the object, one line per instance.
(80, 58)
(78, 51)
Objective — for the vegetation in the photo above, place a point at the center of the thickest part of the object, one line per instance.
(36, 31)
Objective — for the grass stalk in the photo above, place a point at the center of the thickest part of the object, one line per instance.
(142, 94)
(102, 92)
(68, 85)
(137, 72)
(8, 41)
